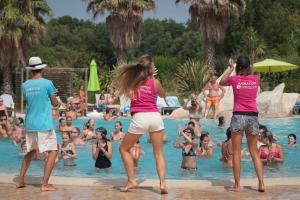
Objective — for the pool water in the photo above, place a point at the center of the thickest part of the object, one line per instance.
(208, 168)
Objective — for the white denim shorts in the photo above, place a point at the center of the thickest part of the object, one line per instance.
(143, 122)
(41, 141)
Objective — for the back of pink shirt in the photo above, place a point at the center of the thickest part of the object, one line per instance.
(144, 99)
(245, 92)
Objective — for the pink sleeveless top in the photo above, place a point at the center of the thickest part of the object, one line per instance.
(144, 99)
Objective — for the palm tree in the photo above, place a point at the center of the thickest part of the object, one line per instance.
(255, 45)
(123, 22)
(192, 77)
(21, 25)
(212, 18)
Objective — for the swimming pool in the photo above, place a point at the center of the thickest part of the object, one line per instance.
(208, 168)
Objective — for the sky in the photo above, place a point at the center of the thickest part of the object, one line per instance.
(165, 9)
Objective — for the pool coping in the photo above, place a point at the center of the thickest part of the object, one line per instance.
(112, 183)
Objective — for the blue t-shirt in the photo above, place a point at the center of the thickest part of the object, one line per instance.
(37, 93)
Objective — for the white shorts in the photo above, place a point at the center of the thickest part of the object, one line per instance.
(41, 141)
(142, 122)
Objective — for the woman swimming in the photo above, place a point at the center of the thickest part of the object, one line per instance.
(188, 148)
(117, 134)
(245, 116)
(138, 82)
(204, 149)
(270, 152)
(102, 149)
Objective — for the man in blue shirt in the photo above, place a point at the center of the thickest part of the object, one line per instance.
(40, 95)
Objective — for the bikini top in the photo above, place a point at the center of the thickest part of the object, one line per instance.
(68, 149)
(264, 154)
(191, 152)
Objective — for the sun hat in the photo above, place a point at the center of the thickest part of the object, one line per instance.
(35, 63)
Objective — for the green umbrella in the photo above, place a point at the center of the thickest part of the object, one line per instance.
(271, 65)
(93, 80)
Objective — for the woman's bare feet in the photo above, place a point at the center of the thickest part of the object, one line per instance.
(128, 187)
(20, 184)
(261, 187)
(163, 188)
(46, 188)
(234, 189)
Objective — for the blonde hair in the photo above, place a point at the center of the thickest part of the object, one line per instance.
(128, 78)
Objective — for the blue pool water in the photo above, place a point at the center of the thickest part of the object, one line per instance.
(208, 168)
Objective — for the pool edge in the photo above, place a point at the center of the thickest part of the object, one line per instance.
(98, 182)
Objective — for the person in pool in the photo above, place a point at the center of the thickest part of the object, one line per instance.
(5, 127)
(89, 132)
(136, 152)
(204, 150)
(197, 129)
(74, 136)
(245, 116)
(117, 134)
(18, 133)
(222, 122)
(270, 152)
(62, 125)
(68, 150)
(138, 82)
(195, 107)
(188, 148)
(292, 140)
(226, 149)
(69, 121)
(102, 149)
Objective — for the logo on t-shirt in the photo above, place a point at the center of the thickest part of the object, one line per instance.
(246, 85)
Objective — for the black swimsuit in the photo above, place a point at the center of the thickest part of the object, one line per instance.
(102, 161)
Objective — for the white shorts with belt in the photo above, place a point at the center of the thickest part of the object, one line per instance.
(41, 141)
(142, 122)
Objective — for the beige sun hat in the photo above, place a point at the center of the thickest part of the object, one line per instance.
(35, 63)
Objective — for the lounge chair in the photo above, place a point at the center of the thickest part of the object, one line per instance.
(168, 104)
(125, 104)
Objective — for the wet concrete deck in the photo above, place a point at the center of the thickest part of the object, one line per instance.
(32, 192)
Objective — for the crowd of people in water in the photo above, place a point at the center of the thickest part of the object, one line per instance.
(194, 142)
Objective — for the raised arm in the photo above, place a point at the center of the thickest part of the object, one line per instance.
(227, 73)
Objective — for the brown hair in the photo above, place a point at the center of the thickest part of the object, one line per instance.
(129, 77)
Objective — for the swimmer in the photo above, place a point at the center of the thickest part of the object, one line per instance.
(117, 134)
(188, 148)
(204, 150)
(102, 149)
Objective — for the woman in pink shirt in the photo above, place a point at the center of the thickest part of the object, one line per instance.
(245, 116)
(137, 82)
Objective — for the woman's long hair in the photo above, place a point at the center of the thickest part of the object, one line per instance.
(129, 77)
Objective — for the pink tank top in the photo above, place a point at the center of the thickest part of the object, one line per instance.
(144, 99)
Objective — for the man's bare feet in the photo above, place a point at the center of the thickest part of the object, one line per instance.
(128, 187)
(20, 184)
(46, 188)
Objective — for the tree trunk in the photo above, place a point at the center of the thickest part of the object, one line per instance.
(121, 56)
(210, 54)
(7, 78)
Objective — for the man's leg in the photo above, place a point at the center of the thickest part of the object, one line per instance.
(49, 164)
(25, 165)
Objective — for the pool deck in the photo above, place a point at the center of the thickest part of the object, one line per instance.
(93, 188)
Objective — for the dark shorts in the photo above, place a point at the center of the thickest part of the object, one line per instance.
(244, 123)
